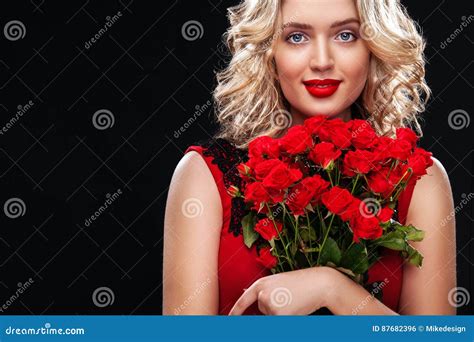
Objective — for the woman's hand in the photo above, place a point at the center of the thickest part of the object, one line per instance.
(298, 292)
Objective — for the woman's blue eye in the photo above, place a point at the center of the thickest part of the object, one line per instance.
(347, 36)
(295, 38)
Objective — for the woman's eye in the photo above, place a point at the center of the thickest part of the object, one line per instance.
(296, 38)
(347, 36)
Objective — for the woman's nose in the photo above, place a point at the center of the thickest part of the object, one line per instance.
(321, 59)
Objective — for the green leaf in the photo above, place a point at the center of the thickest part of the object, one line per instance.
(397, 240)
(307, 234)
(414, 257)
(330, 252)
(412, 233)
(248, 223)
(312, 249)
(356, 258)
(393, 240)
(293, 249)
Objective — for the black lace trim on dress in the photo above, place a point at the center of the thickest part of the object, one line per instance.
(227, 157)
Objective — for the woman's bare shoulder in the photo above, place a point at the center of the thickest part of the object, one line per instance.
(193, 183)
(436, 180)
(432, 194)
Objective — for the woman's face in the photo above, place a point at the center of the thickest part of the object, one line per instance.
(322, 63)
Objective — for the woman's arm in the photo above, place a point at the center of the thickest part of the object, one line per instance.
(346, 297)
(193, 221)
(424, 290)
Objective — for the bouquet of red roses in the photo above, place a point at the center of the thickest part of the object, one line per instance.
(325, 194)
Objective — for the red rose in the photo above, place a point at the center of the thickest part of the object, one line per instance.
(363, 134)
(337, 199)
(244, 170)
(408, 135)
(419, 161)
(233, 191)
(309, 190)
(281, 177)
(296, 140)
(399, 174)
(263, 147)
(266, 258)
(337, 132)
(324, 153)
(276, 195)
(266, 228)
(390, 148)
(256, 193)
(314, 124)
(358, 161)
(378, 182)
(381, 148)
(385, 214)
(365, 228)
(263, 168)
(352, 209)
(400, 149)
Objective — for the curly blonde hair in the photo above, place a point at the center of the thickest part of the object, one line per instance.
(249, 100)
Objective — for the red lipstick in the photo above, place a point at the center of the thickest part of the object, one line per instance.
(322, 88)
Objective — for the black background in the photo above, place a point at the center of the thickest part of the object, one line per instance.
(151, 79)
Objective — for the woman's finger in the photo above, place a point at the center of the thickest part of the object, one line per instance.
(248, 298)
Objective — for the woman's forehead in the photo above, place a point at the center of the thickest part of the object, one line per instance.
(314, 12)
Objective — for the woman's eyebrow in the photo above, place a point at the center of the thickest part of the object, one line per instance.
(344, 22)
(303, 26)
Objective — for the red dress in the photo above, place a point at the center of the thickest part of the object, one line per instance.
(237, 265)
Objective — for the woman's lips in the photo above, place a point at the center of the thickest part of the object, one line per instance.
(321, 88)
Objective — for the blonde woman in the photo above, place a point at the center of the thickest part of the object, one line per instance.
(291, 60)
